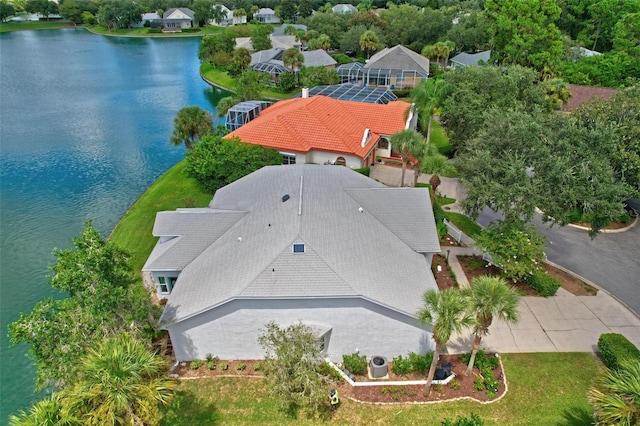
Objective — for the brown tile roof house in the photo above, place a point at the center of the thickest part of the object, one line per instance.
(581, 94)
(318, 129)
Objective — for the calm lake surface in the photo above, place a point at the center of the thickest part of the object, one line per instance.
(85, 122)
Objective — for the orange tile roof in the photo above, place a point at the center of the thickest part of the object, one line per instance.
(324, 124)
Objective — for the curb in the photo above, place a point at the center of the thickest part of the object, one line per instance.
(591, 283)
(608, 231)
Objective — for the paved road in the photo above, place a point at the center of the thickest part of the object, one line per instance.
(612, 261)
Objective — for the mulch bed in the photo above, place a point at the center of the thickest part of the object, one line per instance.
(449, 241)
(445, 278)
(474, 266)
(368, 394)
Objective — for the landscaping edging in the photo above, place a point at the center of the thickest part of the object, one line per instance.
(608, 231)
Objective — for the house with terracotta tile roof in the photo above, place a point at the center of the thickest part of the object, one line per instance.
(323, 130)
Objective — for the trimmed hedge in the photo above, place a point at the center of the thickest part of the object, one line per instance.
(614, 348)
(543, 284)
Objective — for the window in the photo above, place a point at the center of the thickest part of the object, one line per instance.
(288, 158)
(383, 143)
(166, 284)
(298, 248)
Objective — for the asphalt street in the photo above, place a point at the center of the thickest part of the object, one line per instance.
(611, 261)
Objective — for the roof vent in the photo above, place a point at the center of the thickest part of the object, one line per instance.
(361, 210)
(285, 197)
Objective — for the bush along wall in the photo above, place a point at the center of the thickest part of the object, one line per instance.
(614, 348)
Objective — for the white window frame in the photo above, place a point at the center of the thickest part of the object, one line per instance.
(288, 158)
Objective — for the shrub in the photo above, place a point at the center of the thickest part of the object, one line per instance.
(483, 361)
(212, 358)
(211, 365)
(154, 31)
(241, 366)
(400, 366)
(454, 384)
(224, 366)
(420, 363)
(490, 382)
(474, 420)
(543, 284)
(257, 366)
(341, 58)
(287, 82)
(402, 93)
(614, 348)
(355, 363)
(195, 364)
(329, 372)
(364, 171)
(478, 383)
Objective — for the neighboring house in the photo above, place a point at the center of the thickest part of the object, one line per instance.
(323, 130)
(321, 245)
(230, 19)
(470, 59)
(279, 31)
(177, 19)
(581, 94)
(394, 67)
(277, 42)
(155, 21)
(266, 16)
(344, 8)
(270, 61)
(351, 92)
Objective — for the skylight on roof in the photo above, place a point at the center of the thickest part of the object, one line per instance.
(298, 248)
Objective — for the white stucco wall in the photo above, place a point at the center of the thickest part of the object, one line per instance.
(231, 331)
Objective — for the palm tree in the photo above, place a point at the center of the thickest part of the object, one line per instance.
(43, 413)
(293, 58)
(218, 14)
(369, 42)
(242, 58)
(122, 382)
(407, 144)
(191, 124)
(427, 97)
(447, 312)
(616, 395)
(489, 297)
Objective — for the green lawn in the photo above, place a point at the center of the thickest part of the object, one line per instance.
(544, 389)
(17, 26)
(172, 190)
(223, 79)
(440, 139)
(463, 223)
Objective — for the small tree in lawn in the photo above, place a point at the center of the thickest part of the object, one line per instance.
(408, 144)
(292, 367)
(515, 248)
(446, 311)
(490, 297)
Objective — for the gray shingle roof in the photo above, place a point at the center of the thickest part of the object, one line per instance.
(399, 57)
(373, 254)
(471, 59)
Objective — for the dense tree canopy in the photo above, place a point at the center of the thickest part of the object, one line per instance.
(216, 162)
(104, 298)
(524, 33)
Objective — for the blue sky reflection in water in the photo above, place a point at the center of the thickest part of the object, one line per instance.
(85, 122)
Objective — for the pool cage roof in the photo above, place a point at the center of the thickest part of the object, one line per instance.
(242, 113)
(351, 92)
(270, 68)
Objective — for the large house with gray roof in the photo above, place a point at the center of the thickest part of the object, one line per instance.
(321, 245)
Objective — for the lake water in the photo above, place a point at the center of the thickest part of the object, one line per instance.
(85, 122)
